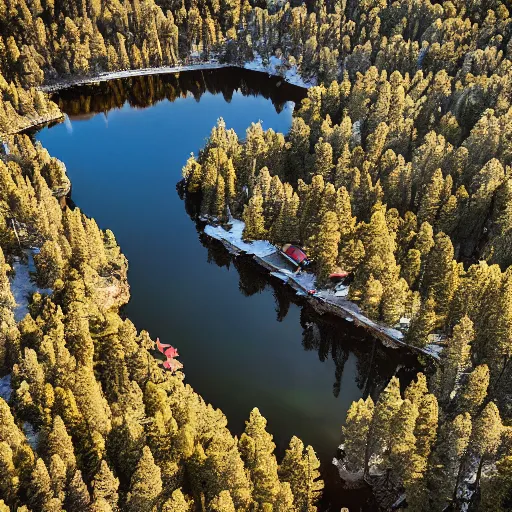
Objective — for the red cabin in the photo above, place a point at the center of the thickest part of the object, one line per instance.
(338, 275)
(295, 255)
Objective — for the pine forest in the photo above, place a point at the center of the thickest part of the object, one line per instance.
(397, 169)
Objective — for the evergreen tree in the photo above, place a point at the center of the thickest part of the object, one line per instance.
(403, 441)
(77, 495)
(145, 484)
(422, 324)
(425, 430)
(177, 503)
(324, 246)
(355, 433)
(105, 485)
(456, 356)
(39, 493)
(284, 500)
(254, 219)
(257, 449)
(300, 469)
(416, 390)
(323, 159)
(475, 389)
(222, 503)
(486, 436)
(372, 297)
(440, 274)
(58, 442)
(387, 407)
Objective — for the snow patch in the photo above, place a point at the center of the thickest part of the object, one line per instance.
(277, 67)
(434, 350)
(5, 387)
(31, 434)
(233, 237)
(23, 285)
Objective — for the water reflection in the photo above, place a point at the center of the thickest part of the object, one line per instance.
(141, 92)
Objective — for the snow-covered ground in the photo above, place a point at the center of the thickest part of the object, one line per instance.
(277, 67)
(23, 285)
(31, 434)
(259, 248)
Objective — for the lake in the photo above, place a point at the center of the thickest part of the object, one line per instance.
(244, 338)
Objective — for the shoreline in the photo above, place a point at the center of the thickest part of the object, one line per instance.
(34, 123)
(128, 73)
(291, 76)
(324, 301)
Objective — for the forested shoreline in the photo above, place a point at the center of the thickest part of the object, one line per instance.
(397, 168)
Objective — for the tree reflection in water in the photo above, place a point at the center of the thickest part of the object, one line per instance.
(144, 91)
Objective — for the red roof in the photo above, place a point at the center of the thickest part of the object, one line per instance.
(339, 275)
(295, 254)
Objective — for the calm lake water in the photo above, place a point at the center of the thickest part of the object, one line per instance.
(244, 339)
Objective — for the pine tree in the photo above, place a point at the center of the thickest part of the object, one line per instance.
(58, 442)
(286, 226)
(9, 480)
(145, 484)
(456, 356)
(223, 469)
(475, 389)
(284, 500)
(254, 219)
(411, 267)
(105, 485)
(372, 297)
(394, 300)
(422, 324)
(50, 264)
(300, 470)
(324, 246)
(193, 173)
(416, 390)
(257, 449)
(495, 491)
(386, 409)
(39, 493)
(299, 146)
(403, 441)
(178, 503)
(486, 436)
(425, 430)
(219, 209)
(323, 159)
(77, 495)
(431, 199)
(440, 274)
(58, 476)
(222, 503)
(355, 433)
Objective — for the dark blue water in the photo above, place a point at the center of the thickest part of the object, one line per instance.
(239, 347)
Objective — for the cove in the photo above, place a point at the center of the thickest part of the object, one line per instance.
(245, 339)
